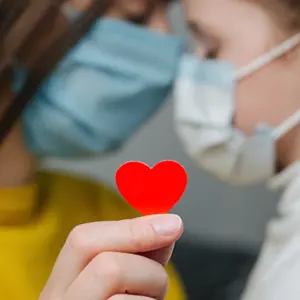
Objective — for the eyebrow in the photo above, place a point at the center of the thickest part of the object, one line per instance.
(203, 31)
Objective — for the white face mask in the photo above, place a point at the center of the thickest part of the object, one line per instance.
(204, 108)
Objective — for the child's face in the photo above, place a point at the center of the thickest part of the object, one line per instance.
(239, 32)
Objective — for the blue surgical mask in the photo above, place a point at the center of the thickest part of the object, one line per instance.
(117, 76)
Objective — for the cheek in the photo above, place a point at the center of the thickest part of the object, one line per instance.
(268, 96)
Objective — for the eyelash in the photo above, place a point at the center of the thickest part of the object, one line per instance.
(209, 51)
(212, 53)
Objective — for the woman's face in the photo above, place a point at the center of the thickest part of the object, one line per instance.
(239, 31)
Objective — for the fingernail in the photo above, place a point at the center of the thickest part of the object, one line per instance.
(167, 224)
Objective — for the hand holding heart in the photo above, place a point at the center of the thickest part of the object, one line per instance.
(124, 259)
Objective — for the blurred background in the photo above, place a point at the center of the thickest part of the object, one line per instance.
(224, 226)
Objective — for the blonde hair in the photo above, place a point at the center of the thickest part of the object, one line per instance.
(286, 13)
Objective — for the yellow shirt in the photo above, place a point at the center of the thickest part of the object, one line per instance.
(35, 221)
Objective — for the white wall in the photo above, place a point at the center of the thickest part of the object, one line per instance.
(210, 209)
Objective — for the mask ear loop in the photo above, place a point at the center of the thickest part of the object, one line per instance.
(262, 61)
(265, 59)
(289, 124)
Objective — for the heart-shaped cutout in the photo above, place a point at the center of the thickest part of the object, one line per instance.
(152, 190)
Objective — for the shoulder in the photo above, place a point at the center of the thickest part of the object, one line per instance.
(109, 203)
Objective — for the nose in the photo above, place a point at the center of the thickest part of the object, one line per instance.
(158, 19)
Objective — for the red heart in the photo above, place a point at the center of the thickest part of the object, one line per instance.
(151, 190)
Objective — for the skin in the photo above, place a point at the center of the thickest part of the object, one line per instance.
(271, 94)
(106, 260)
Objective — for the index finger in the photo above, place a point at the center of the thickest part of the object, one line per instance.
(138, 235)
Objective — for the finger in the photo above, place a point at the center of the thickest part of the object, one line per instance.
(162, 256)
(112, 273)
(129, 297)
(132, 236)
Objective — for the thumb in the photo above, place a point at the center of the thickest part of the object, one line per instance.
(140, 235)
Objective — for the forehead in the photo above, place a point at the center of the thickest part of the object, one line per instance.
(213, 16)
(207, 9)
(227, 17)
(215, 11)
